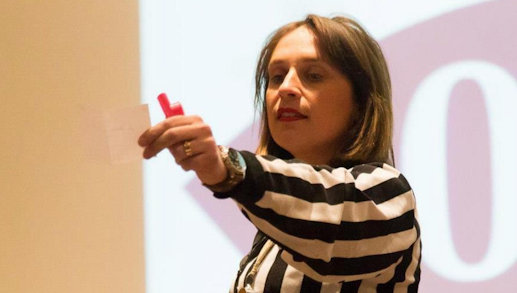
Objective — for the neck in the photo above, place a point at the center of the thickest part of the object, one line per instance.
(315, 157)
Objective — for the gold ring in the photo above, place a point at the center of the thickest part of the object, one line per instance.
(187, 148)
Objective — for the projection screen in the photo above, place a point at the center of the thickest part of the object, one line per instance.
(454, 72)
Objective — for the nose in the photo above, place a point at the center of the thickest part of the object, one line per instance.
(290, 87)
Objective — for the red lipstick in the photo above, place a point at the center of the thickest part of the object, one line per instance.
(289, 114)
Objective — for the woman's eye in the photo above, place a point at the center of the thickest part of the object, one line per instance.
(276, 79)
(314, 76)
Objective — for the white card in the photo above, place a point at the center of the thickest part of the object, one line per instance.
(123, 127)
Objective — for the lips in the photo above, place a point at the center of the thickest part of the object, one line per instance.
(289, 114)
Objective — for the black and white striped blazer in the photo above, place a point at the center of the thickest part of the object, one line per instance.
(334, 229)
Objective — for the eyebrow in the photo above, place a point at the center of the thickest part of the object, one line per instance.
(303, 60)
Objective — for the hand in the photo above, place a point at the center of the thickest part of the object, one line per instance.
(173, 132)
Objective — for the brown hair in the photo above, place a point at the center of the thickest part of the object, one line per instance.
(348, 47)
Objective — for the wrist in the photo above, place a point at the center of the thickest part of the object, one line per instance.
(234, 170)
(215, 175)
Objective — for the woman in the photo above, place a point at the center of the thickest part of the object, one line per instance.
(333, 215)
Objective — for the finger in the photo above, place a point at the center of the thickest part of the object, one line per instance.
(165, 140)
(190, 148)
(190, 163)
(199, 160)
(156, 131)
(184, 155)
(177, 135)
(180, 153)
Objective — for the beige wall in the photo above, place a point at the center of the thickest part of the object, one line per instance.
(69, 220)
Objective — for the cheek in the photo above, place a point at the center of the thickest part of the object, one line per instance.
(270, 105)
(335, 114)
(270, 96)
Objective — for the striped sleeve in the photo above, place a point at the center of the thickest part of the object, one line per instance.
(333, 224)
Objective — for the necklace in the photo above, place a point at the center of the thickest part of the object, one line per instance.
(249, 280)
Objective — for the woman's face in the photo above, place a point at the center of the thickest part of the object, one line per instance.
(309, 102)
